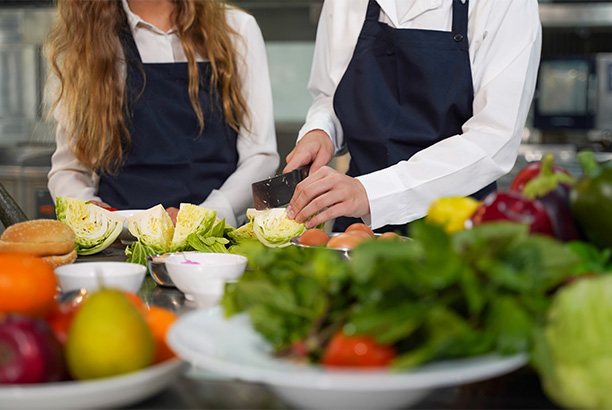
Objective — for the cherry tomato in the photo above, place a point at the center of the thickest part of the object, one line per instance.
(344, 240)
(358, 226)
(314, 237)
(357, 351)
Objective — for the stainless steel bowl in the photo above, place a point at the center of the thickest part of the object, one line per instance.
(157, 269)
(344, 252)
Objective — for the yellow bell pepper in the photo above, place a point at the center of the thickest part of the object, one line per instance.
(451, 212)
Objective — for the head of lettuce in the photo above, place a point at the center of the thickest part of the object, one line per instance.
(573, 349)
(273, 227)
(95, 228)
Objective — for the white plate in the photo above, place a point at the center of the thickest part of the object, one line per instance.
(233, 349)
(125, 236)
(109, 392)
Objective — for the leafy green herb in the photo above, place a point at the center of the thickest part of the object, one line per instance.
(434, 297)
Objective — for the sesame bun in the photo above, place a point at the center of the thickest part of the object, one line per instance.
(59, 260)
(40, 237)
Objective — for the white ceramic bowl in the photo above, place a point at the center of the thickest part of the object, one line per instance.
(93, 275)
(125, 236)
(202, 276)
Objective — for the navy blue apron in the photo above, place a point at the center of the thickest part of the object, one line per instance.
(170, 160)
(404, 90)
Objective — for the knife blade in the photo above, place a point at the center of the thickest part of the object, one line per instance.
(277, 191)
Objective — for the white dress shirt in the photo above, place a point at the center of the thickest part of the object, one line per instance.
(504, 48)
(257, 152)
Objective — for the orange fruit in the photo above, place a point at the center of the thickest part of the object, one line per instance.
(27, 285)
(136, 301)
(160, 320)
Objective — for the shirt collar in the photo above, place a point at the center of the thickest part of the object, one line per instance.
(401, 11)
(134, 20)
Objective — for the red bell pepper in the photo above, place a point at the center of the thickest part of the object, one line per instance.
(515, 207)
(551, 187)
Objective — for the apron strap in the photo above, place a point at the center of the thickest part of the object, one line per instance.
(460, 23)
(373, 13)
(132, 55)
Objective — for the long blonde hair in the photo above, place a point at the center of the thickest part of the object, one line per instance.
(83, 50)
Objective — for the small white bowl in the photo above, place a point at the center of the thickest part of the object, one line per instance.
(125, 236)
(202, 276)
(93, 275)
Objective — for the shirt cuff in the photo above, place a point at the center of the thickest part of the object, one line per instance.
(323, 125)
(384, 189)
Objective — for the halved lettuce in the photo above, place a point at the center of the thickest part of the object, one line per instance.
(153, 228)
(243, 233)
(95, 228)
(191, 219)
(273, 228)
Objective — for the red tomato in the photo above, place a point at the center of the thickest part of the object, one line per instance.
(314, 237)
(357, 351)
(59, 321)
(358, 226)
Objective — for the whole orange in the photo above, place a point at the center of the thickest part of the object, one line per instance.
(159, 321)
(27, 284)
(136, 301)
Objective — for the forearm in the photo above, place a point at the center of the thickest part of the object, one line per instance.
(68, 177)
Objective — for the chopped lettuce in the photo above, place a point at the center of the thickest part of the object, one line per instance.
(191, 218)
(211, 240)
(243, 233)
(197, 228)
(95, 227)
(152, 228)
(273, 228)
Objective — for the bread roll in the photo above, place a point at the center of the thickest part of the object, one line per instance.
(59, 260)
(41, 237)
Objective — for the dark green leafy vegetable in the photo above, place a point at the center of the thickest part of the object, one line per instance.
(434, 297)
(591, 200)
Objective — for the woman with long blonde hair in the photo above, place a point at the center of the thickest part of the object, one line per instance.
(160, 101)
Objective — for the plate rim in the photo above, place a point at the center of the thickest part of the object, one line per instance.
(319, 378)
(28, 395)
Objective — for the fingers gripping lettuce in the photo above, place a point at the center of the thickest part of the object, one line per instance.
(273, 228)
(95, 227)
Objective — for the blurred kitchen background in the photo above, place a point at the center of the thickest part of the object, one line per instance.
(572, 109)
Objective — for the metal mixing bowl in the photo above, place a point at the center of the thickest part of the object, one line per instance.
(157, 268)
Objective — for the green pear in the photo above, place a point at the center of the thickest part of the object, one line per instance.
(108, 337)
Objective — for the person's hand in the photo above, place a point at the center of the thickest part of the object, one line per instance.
(172, 212)
(330, 193)
(315, 148)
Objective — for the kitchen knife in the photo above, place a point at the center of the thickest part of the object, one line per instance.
(277, 191)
